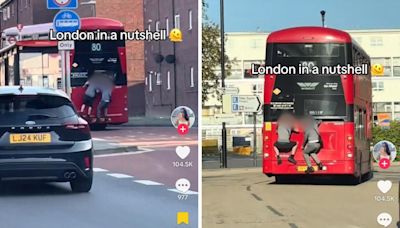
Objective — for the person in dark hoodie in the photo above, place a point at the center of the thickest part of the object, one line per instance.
(283, 144)
(312, 142)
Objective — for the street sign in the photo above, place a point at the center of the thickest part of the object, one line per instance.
(66, 21)
(230, 90)
(66, 45)
(12, 39)
(241, 103)
(62, 4)
(20, 27)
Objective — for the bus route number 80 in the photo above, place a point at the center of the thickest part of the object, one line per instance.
(96, 47)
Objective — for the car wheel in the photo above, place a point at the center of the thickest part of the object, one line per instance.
(83, 184)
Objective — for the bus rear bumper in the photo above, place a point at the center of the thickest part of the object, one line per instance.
(271, 168)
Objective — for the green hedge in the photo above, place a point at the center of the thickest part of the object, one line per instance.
(391, 134)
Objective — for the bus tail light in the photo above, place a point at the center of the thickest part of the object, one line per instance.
(349, 138)
(349, 146)
(349, 155)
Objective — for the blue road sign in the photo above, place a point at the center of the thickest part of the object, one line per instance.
(66, 21)
(62, 4)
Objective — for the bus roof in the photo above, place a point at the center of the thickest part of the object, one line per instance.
(89, 23)
(309, 35)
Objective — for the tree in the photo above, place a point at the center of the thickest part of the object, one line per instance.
(211, 57)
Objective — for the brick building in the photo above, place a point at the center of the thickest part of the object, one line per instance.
(26, 12)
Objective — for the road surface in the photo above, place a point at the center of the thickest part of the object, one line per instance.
(131, 189)
(236, 198)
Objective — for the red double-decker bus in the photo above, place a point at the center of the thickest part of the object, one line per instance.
(29, 58)
(342, 102)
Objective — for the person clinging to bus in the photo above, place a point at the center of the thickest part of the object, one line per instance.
(384, 151)
(106, 87)
(91, 86)
(312, 142)
(286, 127)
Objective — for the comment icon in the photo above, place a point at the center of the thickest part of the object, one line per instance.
(384, 219)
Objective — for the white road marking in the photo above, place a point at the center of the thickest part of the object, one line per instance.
(140, 151)
(186, 193)
(148, 182)
(99, 170)
(119, 175)
(99, 139)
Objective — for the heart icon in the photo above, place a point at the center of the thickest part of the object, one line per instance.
(384, 186)
(183, 185)
(182, 151)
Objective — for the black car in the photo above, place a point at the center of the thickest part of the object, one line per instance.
(42, 138)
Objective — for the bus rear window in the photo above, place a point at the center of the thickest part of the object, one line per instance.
(309, 54)
(308, 50)
(91, 56)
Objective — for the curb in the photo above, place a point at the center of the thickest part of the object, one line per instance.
(116, 150)
(230, 171)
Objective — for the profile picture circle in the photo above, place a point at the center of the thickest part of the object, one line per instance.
(384, 149)
(183, 115)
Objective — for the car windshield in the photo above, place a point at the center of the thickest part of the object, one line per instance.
(19, 109)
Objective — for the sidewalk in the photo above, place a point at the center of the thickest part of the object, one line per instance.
(229, 171)
(152, 121)
(234, 161)
(146, 121)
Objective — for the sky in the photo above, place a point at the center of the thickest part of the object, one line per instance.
(270, 15)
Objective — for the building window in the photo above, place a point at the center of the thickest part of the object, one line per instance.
(177, 21)
(146, 81)
(157, 26)
(149, 26)
(386, 63)
(4, 14)
(167, 24)
(396, 66)
(377, 86)
(190, 19)
(191, 77)
(376, 41)
(12, 10)
(150, 82)
(8, 13)
(168, 80)
(397, 110)
(158, 79)
(382, 107)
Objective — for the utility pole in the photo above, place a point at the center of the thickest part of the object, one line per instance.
(222, 43)
(323, 17)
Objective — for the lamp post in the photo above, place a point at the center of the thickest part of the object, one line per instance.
(222, 22)
(323, 17)
(93, 3)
